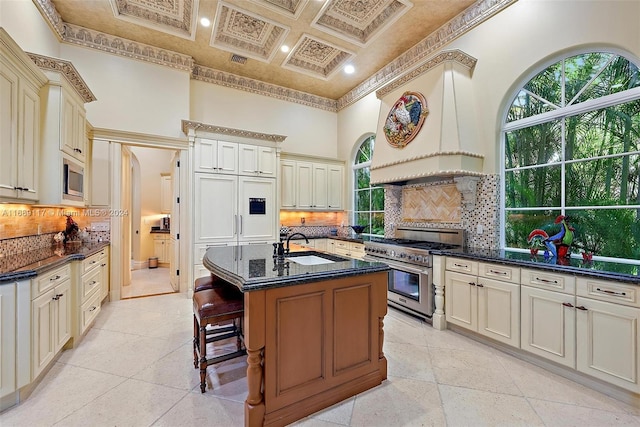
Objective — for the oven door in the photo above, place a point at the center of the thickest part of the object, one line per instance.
(410, 289)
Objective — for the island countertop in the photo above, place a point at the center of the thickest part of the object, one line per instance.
(253, 267)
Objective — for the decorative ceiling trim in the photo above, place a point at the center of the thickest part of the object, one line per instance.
(175, 17)
(222, 78)
(359, 22)
(67, 70)
(94, 39)
(236, 30)
(444, 56)
(197, 126)
(53, 18)
(462, 23)
(316, 57)
(289, 8)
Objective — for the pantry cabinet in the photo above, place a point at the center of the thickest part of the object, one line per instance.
(20, 83)
(215, 156)
(257, 160)
(311, 184)
(487, 302)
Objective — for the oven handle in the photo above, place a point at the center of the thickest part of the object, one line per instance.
(396, 265)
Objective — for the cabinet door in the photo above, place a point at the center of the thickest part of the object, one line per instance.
(80, 132)
(335, 186)
(29, 143)
(304, 185)
(607, 337)
(461, 298)
(158, 249)
(62, 314)
(227, 157)
(42, 332)
(320, 183)
(206, 155)
(499, 310)
(247, 159)
(67, 130)
(7, 339)
(287, 184)
(267, 162)
(165, 194)
(104, 279)
(548, 325)
(258, 213)
(8, 130)
(216, 212)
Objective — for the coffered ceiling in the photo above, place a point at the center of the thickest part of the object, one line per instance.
(245, 37)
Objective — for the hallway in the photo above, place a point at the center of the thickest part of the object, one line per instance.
(148, 282)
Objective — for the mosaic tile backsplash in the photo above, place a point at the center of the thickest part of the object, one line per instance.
(483, 217)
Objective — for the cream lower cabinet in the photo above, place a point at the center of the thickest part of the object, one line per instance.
(7, 338)
(348, 249)
(608, 333)
(161, 247)
(481, 303)
(51, 317)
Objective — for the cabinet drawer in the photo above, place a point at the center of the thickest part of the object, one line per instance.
(339, 244)
(91, 282)
(89, 311)
(90, 263)
(546, 280)
(462, 266)
(357, 248)
(49, 280)
(608, 291)
(499, 272)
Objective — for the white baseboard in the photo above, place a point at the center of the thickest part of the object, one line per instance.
(139, 265)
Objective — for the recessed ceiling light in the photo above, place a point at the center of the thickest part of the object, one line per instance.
(349, 69)
(284, 48)
(205, 22)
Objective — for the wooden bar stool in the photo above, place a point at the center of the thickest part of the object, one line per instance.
(222, 304)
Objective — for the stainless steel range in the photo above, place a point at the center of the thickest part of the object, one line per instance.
(409, 255)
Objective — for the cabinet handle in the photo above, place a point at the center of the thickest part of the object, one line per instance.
(240, 224)
(93, 307)
(53, 279)
(581, 307)
(103, 265)
(57, 297)
(607, 291)
(92, 283)
(18, 188)
(567, 304)
(480, 285)
(503, 273)
(460, 265)
(472, 283)
(547, 281)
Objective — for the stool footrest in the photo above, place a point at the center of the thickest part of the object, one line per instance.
(223, 357)
(218, 337)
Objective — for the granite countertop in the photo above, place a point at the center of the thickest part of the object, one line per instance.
(627, 273)
(29, 264)
(252, 267)
(362, 239)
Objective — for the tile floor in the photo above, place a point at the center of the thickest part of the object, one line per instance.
(135, 368)
(148, 281)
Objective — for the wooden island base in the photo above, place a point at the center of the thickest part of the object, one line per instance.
(312, 345)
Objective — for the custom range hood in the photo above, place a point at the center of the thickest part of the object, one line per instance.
(444, 145)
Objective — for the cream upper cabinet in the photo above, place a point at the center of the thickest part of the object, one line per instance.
(73, 133)
(166, 190)
(311, 184)
(257, 160)
(215, 156)
(20, 83)
(608, 333)
(481, 302)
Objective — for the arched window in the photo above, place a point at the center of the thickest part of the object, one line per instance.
(368, 201)
(572, 147)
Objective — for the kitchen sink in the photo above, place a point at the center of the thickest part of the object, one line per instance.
(313, 258)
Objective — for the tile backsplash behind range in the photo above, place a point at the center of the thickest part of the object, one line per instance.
(438, 205)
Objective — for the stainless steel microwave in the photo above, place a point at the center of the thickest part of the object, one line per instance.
(72, 180)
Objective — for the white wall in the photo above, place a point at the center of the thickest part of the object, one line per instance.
(24, 23)
(308, 130)
(509, 48)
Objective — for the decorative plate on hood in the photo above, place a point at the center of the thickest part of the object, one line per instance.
(405, 119)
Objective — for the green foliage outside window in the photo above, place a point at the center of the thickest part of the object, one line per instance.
(368, 203)
(581, 160)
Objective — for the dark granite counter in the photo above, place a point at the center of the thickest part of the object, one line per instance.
(627, 273)
(29, 264)
(252, 267)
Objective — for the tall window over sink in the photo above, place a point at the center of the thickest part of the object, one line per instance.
(572, 147)
(368, 203)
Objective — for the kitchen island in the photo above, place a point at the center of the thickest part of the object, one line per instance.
(313, 328)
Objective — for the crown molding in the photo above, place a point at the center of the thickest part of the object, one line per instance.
(448, 55)
(190, 127)
(414, 57)
(67, 70)
(136, 138)
(211, 75)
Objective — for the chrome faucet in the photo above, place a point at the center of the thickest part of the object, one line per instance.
(289, 238)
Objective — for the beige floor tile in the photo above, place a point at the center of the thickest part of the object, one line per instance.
(399, 402)
(197, 409)
(64, 390)
(228, 379)
(454, 341)
(408, 361)
(401, 328)
(468, 407)
(148, 281)
(338, 414)
(133, 403)
(477, 370)
(95, 342)
(173, 370)
(563, 415)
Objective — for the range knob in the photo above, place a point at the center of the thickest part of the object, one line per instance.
(412, 257)
(403, 255)
(419, 258)
(392, 253)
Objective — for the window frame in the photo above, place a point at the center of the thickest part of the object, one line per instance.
(355, 167)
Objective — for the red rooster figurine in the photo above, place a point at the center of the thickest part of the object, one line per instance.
(558, 244)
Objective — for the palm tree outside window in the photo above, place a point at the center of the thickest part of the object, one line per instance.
(571, 146)
(368, 202)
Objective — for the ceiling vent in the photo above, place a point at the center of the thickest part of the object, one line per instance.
(238, 59)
